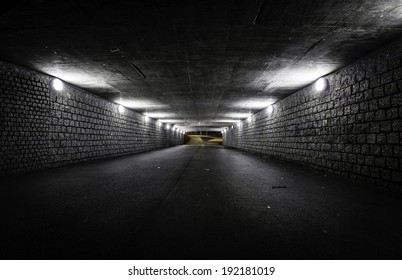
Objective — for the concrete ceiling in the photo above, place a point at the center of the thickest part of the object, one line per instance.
(194, 63)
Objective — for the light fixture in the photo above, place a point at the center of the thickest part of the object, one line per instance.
(249, 119)
(146, 118)
(57, 84)
(121, 109)
(270, 109)
(321, 84)
(168, 126)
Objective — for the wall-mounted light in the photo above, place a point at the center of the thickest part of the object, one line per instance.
(121, 109)
(270, 109)
(249, 119)
(146, 118)
(57, 84)
(167, 126)
(321, 84)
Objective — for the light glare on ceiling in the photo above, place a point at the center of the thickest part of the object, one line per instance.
(138, 104)
(258, 103)
(237, 115)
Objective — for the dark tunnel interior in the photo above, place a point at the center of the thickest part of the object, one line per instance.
(203, 130)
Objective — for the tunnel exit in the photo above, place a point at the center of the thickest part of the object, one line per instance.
(203, 137)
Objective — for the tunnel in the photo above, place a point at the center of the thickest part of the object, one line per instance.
(201, 130)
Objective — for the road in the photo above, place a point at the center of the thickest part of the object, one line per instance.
(195, 202)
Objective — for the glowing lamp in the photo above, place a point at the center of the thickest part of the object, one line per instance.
(321, 84)
(57, 84)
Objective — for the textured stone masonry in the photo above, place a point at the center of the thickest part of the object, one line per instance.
(42, 128)
(353, 128)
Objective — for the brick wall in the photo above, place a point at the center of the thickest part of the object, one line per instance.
(42, 128)
(353, 128)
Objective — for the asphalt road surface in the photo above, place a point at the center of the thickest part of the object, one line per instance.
(195, 202)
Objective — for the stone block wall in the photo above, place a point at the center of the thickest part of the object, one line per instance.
(353, 128)
(43, 128)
